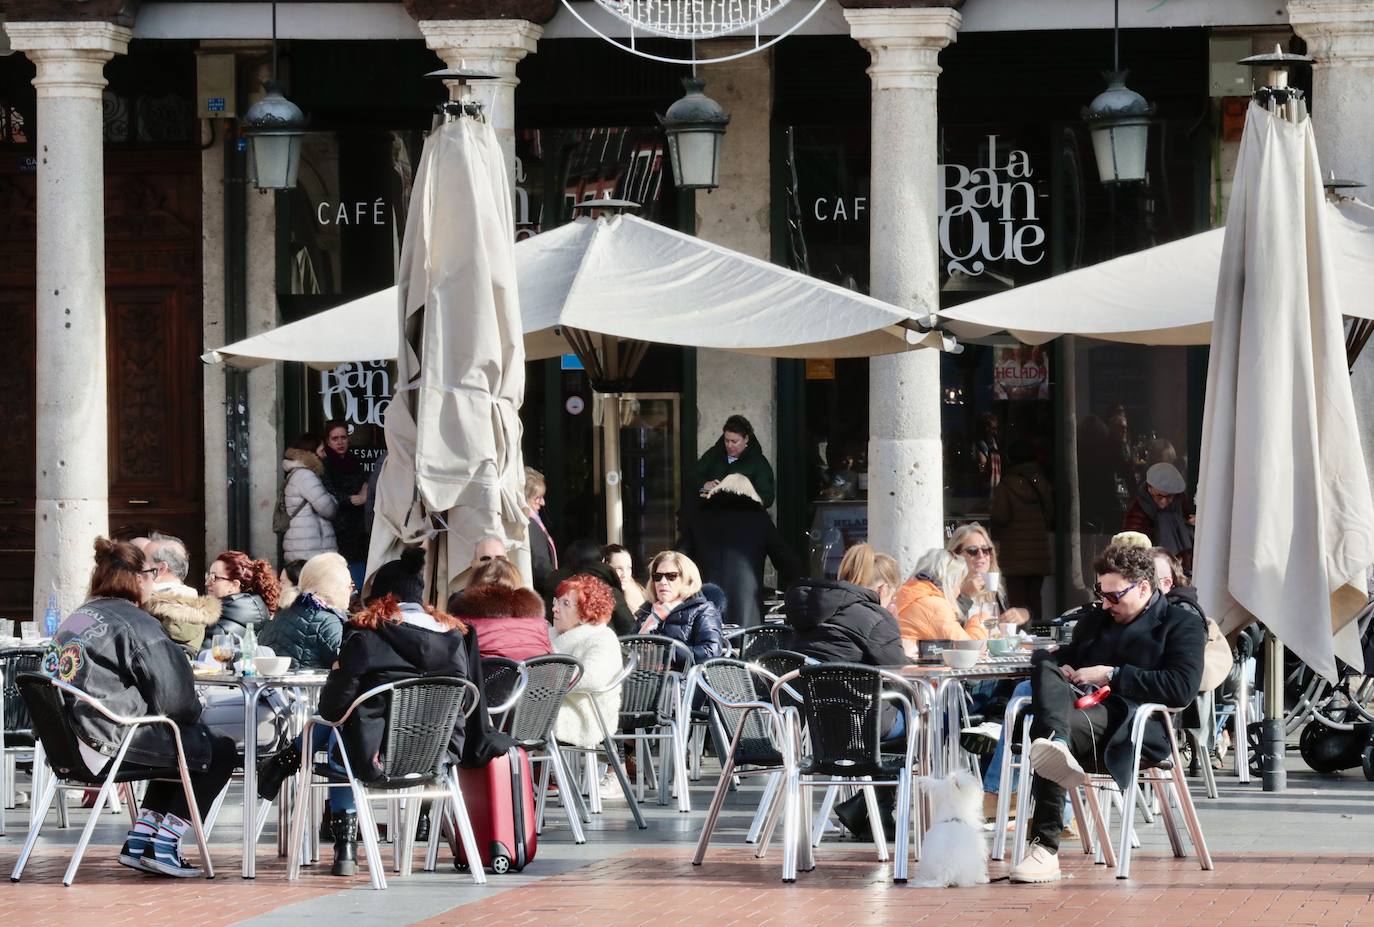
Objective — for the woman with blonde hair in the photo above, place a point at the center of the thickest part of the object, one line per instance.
(507, 618)
(927, 605)
(311, 630)
(677, 609)
(973, 542)
(844, 620)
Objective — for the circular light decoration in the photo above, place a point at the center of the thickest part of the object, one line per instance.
(690, 20)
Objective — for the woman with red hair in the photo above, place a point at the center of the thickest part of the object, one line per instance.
(582, 609)
(248, 592)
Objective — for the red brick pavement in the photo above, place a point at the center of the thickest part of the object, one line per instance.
(106, 894)
(661, 887)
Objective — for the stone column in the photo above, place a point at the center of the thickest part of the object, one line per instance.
(737, 216)
(72, 492)
(495, 46)
(905, 463)
(1340, 36)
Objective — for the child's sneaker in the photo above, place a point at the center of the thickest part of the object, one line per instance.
(163, 856)
(140, 841)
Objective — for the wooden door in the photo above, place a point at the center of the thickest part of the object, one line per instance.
(153, 337)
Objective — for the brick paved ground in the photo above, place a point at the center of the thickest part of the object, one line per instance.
(1302, 858)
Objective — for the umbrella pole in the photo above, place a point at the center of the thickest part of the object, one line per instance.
(615, 508)
(1273, 738)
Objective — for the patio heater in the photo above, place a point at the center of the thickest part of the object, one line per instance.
(1277, 97)
(1357, 331)
(611, 363)
(460, 103)
(274, 127)
(1118, 119)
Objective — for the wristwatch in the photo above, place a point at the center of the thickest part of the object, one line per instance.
(1111, 673)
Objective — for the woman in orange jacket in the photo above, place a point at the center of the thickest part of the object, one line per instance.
(927, 604)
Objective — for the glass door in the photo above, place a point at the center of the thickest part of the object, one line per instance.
(649, 478)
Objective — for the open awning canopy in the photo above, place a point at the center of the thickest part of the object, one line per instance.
(627, 278)
(1164, 295)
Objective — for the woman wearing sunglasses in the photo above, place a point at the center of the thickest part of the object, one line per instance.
(677, 609)
(974, 544)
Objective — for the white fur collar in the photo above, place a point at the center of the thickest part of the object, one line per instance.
(582, 634)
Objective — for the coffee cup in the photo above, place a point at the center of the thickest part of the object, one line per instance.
(991, 581)
(1009, 630)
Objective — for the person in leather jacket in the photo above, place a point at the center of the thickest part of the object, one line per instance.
(113, 650)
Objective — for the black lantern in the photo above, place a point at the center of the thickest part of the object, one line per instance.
(274, 127)
(695, 126)
(1119, 121)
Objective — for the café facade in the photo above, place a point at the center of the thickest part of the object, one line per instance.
(195, 257)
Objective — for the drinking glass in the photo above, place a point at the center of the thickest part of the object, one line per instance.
(222, 649)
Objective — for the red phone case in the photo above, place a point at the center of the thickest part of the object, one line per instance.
(1093, 698)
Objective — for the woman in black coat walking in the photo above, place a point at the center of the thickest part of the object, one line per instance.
(728, 536)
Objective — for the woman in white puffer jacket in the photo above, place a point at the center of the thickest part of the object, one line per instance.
(582, 609)
(309, 503)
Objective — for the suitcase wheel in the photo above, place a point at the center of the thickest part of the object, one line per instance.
(500, 865)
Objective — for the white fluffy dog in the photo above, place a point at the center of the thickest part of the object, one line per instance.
(954, 851)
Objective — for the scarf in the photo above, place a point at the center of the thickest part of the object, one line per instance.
(1172, 531)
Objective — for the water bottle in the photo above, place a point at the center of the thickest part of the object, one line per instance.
(248, 649)
(52, 616)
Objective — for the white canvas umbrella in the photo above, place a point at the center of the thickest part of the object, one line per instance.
(1164, 295)
(628, 278)
(1285, 524)
(453, 471)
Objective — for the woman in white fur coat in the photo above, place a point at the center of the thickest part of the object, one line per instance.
(582, 608)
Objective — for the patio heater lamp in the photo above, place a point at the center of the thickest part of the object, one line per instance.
(460, 104)
(274, 127)
(1118, 119)
(695, 126)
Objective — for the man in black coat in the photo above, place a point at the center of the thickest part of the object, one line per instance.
(728, 536)
(1141, 646)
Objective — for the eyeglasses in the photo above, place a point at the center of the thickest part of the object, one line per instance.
(487, 558)
(977, 551)
(670, 577)
(1112, 598)
(149, 571)
(215, 578)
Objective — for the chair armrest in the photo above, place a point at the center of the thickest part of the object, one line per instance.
(521, 683)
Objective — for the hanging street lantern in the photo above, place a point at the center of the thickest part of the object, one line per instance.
(695, 126)
(1118, 119)
(274, 126)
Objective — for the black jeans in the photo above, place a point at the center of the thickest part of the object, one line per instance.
(168, 797)
(1086, 730)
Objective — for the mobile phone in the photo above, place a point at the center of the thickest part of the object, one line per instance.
(1094, 696)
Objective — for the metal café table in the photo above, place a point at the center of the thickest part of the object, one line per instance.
(309, 682)
(946, 685)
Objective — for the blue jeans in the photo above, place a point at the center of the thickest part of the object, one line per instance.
(340, 799)
(992, 779)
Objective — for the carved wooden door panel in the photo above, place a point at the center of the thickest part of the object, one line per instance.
(153, 336)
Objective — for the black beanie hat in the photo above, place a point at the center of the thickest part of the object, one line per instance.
(401, 578)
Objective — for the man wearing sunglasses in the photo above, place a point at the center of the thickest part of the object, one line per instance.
(1145, 649)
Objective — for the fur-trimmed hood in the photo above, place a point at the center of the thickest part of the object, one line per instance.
(496, 602)
(295, 457)
(200, 610)
(723, 500)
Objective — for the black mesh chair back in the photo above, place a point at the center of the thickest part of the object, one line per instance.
(420, 721)
(737, 681)
(645, 692)
(781, 662)
(12, 663)
(548, 682)
(52, 716)
(500, 676)
(842, 708)
(763, 639)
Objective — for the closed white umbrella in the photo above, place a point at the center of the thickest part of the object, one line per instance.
(1285, 524)
(453, 471)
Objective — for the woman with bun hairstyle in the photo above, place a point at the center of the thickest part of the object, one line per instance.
(113, 650)
(507, 618)
(248, 592)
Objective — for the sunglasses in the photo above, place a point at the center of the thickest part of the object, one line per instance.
(487, 558)
(977, 551)
(1112, 598)
(670, 577)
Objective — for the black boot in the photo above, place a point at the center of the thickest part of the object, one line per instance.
(853, 814)
(345, 843)
(276, 769)
(422, 826)
(326, 826)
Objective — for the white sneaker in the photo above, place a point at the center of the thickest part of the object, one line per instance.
(1040, 864)
(610, 788)
(1053, 760)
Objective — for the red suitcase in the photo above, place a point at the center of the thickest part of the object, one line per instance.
(500, 801)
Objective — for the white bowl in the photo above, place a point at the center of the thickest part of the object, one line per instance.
(959, 659)
(271, 666)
